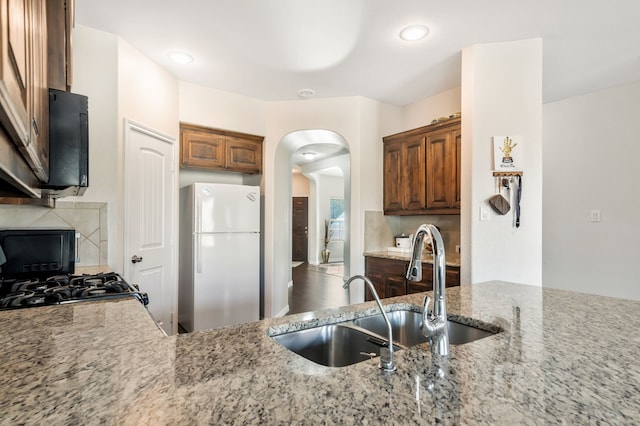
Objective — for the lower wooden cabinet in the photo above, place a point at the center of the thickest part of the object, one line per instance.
(388, 277)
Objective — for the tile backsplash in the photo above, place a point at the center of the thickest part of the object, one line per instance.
(88, 219)
(380, 230)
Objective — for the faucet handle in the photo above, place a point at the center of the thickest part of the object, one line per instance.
(427, 311)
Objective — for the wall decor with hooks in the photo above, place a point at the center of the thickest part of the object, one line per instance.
(505, 179)
(507, 174)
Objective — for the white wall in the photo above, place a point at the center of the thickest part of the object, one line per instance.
(299, 185)
(422, 112)
(219, 109)
(591, 152)
(95, 75)
(501, 95)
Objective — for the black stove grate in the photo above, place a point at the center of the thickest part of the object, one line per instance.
(58, 289)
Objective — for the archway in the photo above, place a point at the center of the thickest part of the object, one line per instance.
(290, 146)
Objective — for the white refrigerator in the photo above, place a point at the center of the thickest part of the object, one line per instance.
(219, 255)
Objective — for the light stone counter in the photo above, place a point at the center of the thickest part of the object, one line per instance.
(451, 259)
(563, 358)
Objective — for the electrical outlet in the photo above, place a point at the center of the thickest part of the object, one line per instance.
(595, 215)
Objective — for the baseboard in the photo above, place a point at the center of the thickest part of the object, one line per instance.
(283, 312)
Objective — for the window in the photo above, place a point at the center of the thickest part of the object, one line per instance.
(336, 222)
(336, 206)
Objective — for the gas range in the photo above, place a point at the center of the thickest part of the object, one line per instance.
(37, 268)
(68, 288)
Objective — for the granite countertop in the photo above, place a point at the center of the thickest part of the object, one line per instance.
(563, 358)
(451, 259)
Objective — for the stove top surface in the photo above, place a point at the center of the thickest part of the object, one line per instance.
(24, 293)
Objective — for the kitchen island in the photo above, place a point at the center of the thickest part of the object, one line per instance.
(562, 358)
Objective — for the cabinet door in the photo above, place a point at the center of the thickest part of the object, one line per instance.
(59, 26)
(456, 140)
(393, 181)
(414, 166)
(395, 286)
(37, 152)
(202, 150)
(452, 277)
(439, 169)
(14, 79)
(378, 283)
(243, 155)
(387, 276)
(23, 86)
(413, 287)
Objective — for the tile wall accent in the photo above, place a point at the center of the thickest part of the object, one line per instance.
(88, 219)
(380, 230)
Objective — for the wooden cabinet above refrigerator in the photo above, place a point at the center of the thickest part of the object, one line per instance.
(219, 150)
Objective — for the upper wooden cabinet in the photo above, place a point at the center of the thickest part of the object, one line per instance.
(215, 149)
(422, 170)
(404, 173)
(60, 18)
(443, 164)
(23, 80)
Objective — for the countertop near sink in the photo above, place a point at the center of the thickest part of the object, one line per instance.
(563, 358)
(451, 259)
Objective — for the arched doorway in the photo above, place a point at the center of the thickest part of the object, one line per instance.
(331, 151)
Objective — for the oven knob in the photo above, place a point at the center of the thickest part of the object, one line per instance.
(136, 259)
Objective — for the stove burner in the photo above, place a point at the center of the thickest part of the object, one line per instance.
(65, 289)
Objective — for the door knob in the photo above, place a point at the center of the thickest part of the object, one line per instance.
(136, 259)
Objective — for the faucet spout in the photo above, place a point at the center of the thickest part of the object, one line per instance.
(386, 354)
(434, 322)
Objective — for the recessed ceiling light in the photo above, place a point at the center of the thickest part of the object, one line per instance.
(414, 33)
(180, 57)
(309, 155)
(306, 93)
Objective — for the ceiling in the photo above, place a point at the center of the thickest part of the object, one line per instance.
(270, 49)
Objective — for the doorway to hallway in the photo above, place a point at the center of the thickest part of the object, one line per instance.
(317, 287)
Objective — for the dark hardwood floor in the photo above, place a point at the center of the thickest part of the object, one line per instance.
(317, 287)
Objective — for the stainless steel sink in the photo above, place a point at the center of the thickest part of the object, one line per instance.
(342, 344)
(406, 328)
(333, 345)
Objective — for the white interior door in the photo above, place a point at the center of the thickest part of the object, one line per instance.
(149, 230)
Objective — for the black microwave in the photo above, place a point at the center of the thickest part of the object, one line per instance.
(37, 252)
(68, 144)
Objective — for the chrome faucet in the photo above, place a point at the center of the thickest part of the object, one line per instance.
(386, 354)
(434, 323)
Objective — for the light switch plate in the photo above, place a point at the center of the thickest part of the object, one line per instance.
(484, 214)
(595, 215)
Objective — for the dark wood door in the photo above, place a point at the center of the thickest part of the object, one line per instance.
(414, 161)
(393, 185)
(300, 223)
(439, 169)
